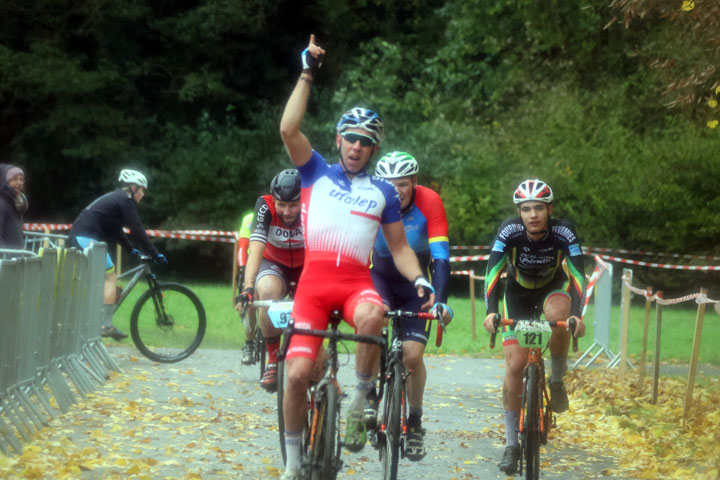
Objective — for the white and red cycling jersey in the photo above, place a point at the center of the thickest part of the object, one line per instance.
(283, 243)
(341, 216)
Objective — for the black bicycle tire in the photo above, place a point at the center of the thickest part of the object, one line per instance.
(280, 413)
(143, 347)
(260, 351)
(317, 449)
(392, 422)
(331, 439)
(531, 427)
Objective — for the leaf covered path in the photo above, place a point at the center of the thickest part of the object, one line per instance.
(206, 417)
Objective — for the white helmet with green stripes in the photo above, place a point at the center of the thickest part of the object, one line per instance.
(397, 165)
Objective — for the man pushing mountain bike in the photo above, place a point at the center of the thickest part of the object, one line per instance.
(532, 248)
(342, 209)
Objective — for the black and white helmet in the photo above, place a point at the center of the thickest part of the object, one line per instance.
(533, 191)
(286, 185)
(364, 119)
(132, 176)
(396, 165)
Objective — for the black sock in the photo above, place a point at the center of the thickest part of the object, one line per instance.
(414, 420)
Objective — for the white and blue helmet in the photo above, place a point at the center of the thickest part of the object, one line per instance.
(364, 119)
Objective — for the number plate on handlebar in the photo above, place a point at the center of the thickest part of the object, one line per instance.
(535, 334)
(279, 313)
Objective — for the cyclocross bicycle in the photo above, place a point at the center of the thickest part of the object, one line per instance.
(320, 441)
(536, 417)
(279, 313)
(168, 322)
(391, 433)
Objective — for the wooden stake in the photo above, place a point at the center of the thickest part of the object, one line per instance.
(694, 358)
(118, 258)
(656, 361)
(472, 303)
(646, 328)
(234, 269)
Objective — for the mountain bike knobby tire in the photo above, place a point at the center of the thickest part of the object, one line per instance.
(531, 427)
(392, 420)
(325, 457)
(168, 323)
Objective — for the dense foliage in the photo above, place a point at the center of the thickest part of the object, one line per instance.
(484, 93)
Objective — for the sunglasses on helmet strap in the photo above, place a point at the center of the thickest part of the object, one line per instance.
(364, 140)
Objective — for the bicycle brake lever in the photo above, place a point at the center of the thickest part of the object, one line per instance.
(572, 323)
(496, 325)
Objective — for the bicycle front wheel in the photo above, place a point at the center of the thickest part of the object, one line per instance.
(168, 323)
(531, 425)
(280, 414)
(260, 351)
(392, 420)
(325, 451)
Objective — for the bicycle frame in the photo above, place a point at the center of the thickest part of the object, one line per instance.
(136, 273)
(329, 379)
(534, 361)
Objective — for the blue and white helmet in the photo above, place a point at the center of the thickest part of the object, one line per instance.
(364, 119)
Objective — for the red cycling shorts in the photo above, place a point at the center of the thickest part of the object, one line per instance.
(322, 288)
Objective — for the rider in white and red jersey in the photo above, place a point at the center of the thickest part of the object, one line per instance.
(343, 208)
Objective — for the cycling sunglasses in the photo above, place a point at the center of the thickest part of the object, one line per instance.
(365, 141)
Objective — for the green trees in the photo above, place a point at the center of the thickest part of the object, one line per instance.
(483, 93)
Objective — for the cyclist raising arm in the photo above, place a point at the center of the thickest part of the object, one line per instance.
(532, 247)
(343, 208)
(276, 258)
(426, 229)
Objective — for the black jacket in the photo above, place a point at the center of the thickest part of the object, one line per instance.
(11, 214)
(103, 220)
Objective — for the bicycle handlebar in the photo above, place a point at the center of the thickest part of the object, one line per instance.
(569, 323)
(290, 330)
(422, 316)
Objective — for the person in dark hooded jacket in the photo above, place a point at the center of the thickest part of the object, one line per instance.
(13, 204)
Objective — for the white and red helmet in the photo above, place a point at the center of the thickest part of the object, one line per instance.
(533, 191)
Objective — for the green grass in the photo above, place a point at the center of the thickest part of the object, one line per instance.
(225, 331)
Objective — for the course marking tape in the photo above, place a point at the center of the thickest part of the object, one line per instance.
(705, 268)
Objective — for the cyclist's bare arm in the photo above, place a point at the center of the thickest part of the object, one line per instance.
(254, 258)
(403, 255)
(296, 143)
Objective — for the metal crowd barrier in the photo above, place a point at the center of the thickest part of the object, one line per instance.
(34, 241)
(49, 337)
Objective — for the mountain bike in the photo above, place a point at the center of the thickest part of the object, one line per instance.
(536, 417)
(167, 323)
(390, 434)
(320, 440)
